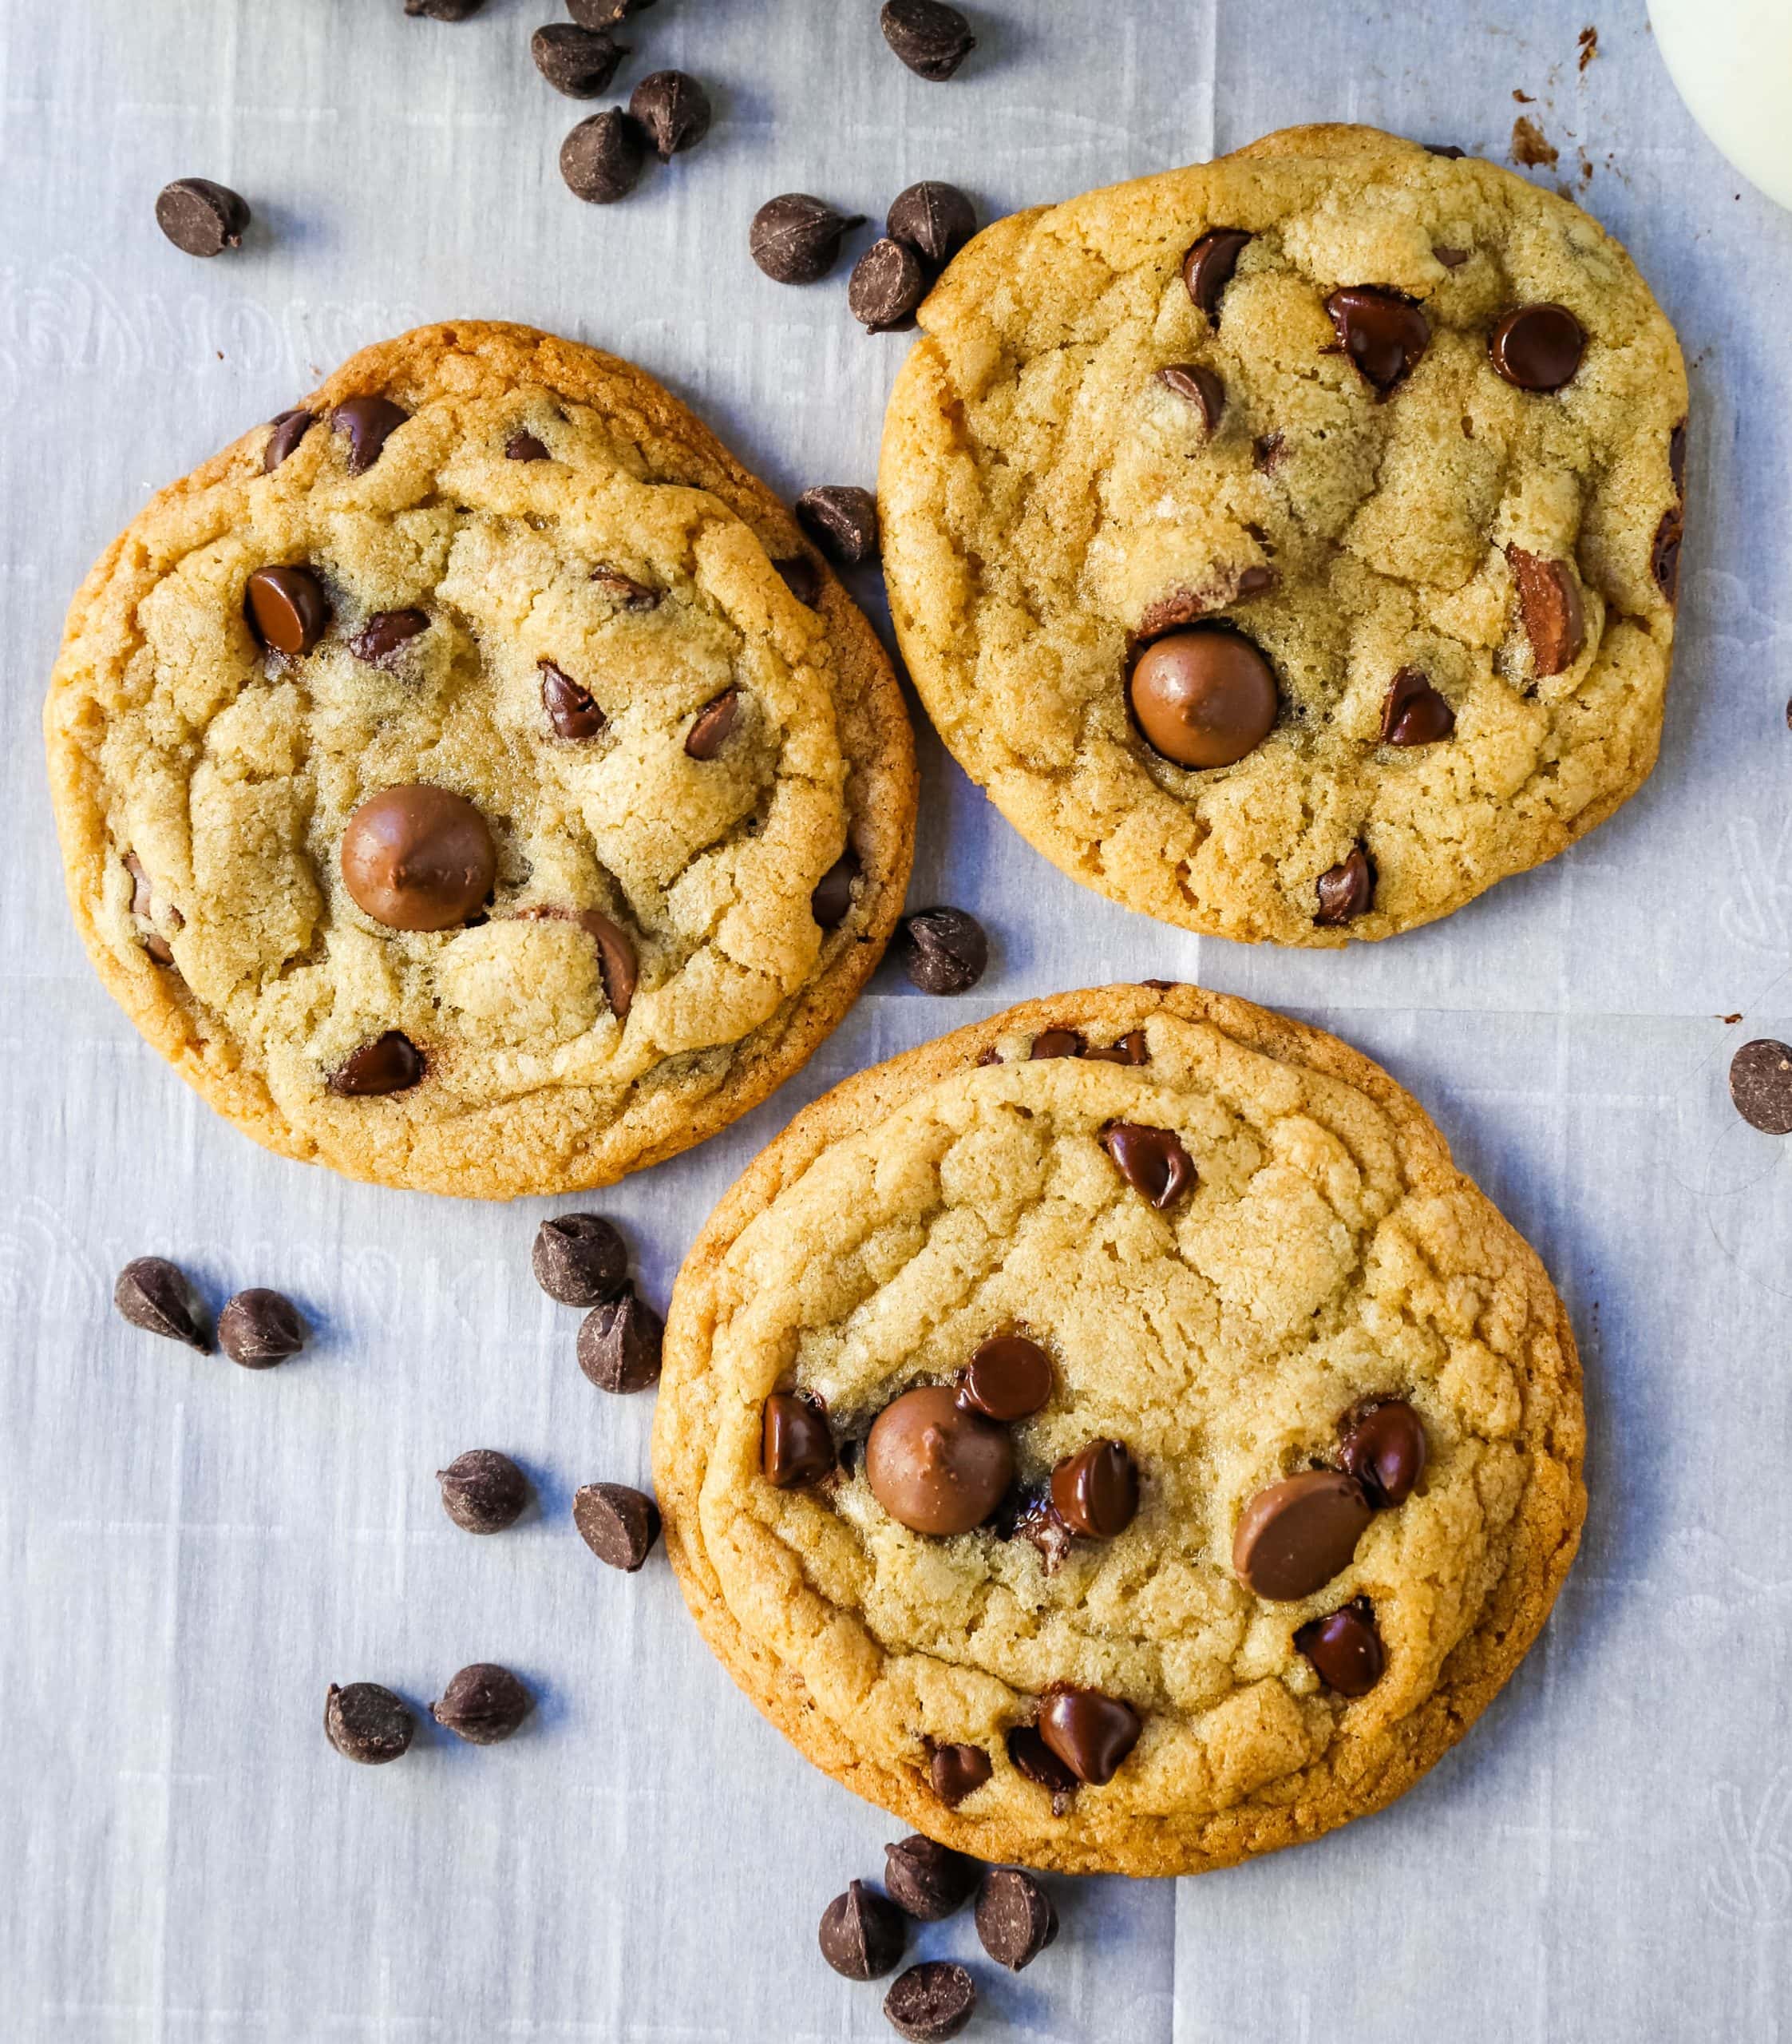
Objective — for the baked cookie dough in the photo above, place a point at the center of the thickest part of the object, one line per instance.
(1115, 1437)
(1289, 543)
(473, 781)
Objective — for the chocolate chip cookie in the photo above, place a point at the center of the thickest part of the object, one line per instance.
(1289, 544)
(474, 780)
(1116, 1437)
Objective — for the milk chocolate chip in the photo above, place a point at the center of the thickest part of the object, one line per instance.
(391, 1063)
(418, 858)
(795, 1444)
(1204, 697)
(287, 608)
(1091, 1733)
(570, 708)
(714, 723)
(1295, 1536)
(1549, 603)
(285, 435)
(935, 1466)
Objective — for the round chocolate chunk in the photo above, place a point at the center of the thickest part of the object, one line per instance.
(957, 1772)
(1016, 1919)
(1345, 1648)
(833, 899)
(1382, 332)
(673, 112)
(1034, 1761)
(287, 608)
(483, 1704)
(259, 1329)
(931, 38)
(795, 1445)
(1760, 1084)
(887, 283)
(862, 1933)
(1345, 890)
(1295, 1536)
(935, 220)
(580, 62)
(418, 858)
(1096, 1491)
(714, 723)
(1196, 385)
(619, 1343)
(201, 218)
(842, 521)
(942, 950)
(368, 422)
(579, 1259)
(930, 2001)
(936, 1467)
(618, 1524)
(1202, 697)
(928, 1881)
(1151, 1161)
(601, 159)
(1383, 1447)
(284, 435)
(1008, 1378)
(1549, 603)
(1537, 348)
(156, 1296)
(1207, 267)
(1413, 712)
(391, 1063)
(483, 1491)
(1091, 1733)
(367, 1723)
(380, 639)
(795, 238)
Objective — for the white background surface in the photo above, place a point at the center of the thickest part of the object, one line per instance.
(190, 1552)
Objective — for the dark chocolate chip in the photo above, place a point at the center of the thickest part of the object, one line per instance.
(444, 10)
(887, 283)
(1549, 603)
(1131, 1049)
(862, 1933)
(1008, 1378)
(1448, 150)
(1294, 1536)
(391, 1063)
(1383, 1447)
(1347, 890)
(1091, 1733)
(1096, 1491)
(1269, 452)
(1760, 1083)
(619, 1525)
(1151, 1161)
(601, 158)
(604, 14)
(833, 898)
(1413, 712)
(842, 521)
(483, 1704)
(570, 709)
(1664, 552)
(287, 608)
(1345, 1648)
(380, 639)
(936, 1466)
(931, 38)
(673, 111)
(795, 238)
(579, 1259)
(942, 950)
(926, 1881)
(1676, 457)
(1208, 267)
(1537, 348)
(201, 218)
(935, 220)
(284, 435)
(1057, 1043)
(1016, 1919)
(1031, 1516)
(367, 1723)
(1204, 697)
(155, 1295)
(368, 422)
(957, 1772)
(1382, 332)
(624, 591)
(1452, 259)
(619, 1343)
(795, 1446)
(709, 733)
(483, 1491)
(522, 447)
(580, 62)
(617, 960)
(930, 2001)
(1198, 385)
(1034, 1761)
(260, 1328)
(418, 858)
(802, 578)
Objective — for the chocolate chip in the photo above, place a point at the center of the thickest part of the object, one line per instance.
(604, 14)
(673, 110)
(1413, 712)
(623, 590)
(1008, 1378)
(795, 1446)
(391, 1063)
(483, 1491)
(1016, 1919)
(1151, 1161)
(1760, 1084)
(1057, 1043)
(1204, 697)
(601, 158)
(1031, 1516)
(937, 1466)
(379, 639)
(1034, 1761)
(833, 898)
(795, 238)
(709, 733)
(957, 1772)
(930, 2001)
(931, 38)
(483, 1704)
(1448, 150)
(201, 218)
(570, 708)
(1269, 452)
(1345, 890)
(887, 283)
(1096, 1491)
(1207, 268)
(1676, 457)
(143, 910)
(1664, 552)
(260, 1328)
(842, 521)
(1295, 1535)
(1345, 1648)
(619, 1343)
(524, 447)
(618, 1524)
(802, 578)
(1198, 385)
(942, 950)
(927, 1881)
(367, 1723)
(862, 1933)
(1091, 1733)
(284, 435)
(1382, 333)
(444, 10)
(1549, 603)
(287, 608)
(368, 422)
(1131, 1049)
(1383, 1447)
(1452, 259)
(155, 1295)
(1537, 348)
(579, 1259)
(935, 220)
(617, 962)
(580, 62)
(418, 858)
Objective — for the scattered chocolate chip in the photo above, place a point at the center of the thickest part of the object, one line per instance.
(935, 220)
(833, 898)
(368, 422)
(1295, 1535)
(1096, 1491)
(931, 38)
(887, 283)
(619, 1525)
(259, 1327)
(1208, 267)
(1131, 1049)
(601, 158)
(943, 950)
(1664, 552)
(935, 1466)
(1016, 1919)
(1345, 1648)
(1057, 1043)
(418, 858)
(380, 639)
(795, 238)
(1550, 604)
(842, 521)
(927, 1881)
(1413, 712)
(935, 2000)
(287, 608)
(143, 908)
(862, 1934)
(1269, 452)
(1448, 150)
(604, 14)
(1760, 1085)
(673, 110)
(201, 218)
(795, 1446)
(285, 433)
(391, 1063)
(1034, 1761)
(1198, 385)
(522, 447)
(1383, 1447)
(1677, 458)
(1091, 1733)
(990, 1055)
(617, 962)
(1537, 348)
(483, 1491)
(444, 10)
(1204, 697)
(1151, 1161)
(957, 1772)
(709, 733)
(1030, 1515)
(367, 1723)
(1382, 333)
(483, 1704)
(580, 62)
(619, 1343)
(1345, 890)
(579, 1259)
(802, 578)
(624, 591)
(155, 1295)
(1008, 1378)
(570, 709)
(1452, 259)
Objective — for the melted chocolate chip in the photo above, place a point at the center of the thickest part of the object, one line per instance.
(1664, 552)
(1208, 267)
(1345, 890)
(1382, 333)
(623, 590)
(1383, 1447)
(714, 724)
(1131, 1049)
(1034, 1761)
(802, 578)
(379, 639)
(1538, 347)
(287, 608)
(1096, 1491)
(1091, 1733)
(795, 1446)
(1008, 1378)
(524, 447)
(570, 709)
(391, 1063)
(1345, 1648)
(957, 1772)
(1549, 603)
(1295, 1535)
(288, 430)
(1199, 385)
(833, 898)
(368, 422)
(1152, 1161)
(1030, 1515)
(1415, 713)
(1057, 1043)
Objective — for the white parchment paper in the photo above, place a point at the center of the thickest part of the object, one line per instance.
(189, 1553)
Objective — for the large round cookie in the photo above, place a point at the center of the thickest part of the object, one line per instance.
(1230, 1329)
(526, 575)
(1262, 393)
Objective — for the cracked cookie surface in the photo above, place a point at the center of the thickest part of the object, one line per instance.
(1324, 1252)
(1318, 429)
(484, 561)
